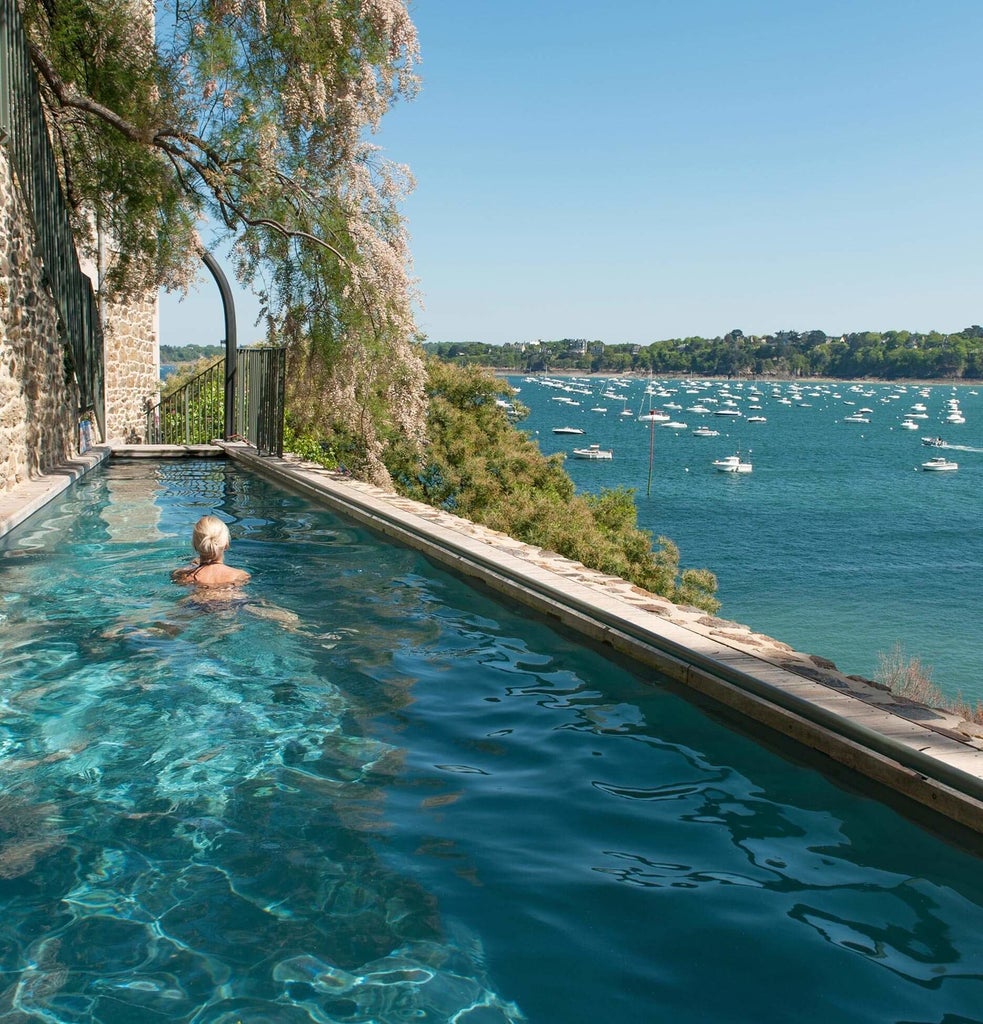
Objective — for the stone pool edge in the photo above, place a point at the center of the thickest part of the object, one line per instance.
(31, 495)
(919, 752)
(28, 496)
(929, 756)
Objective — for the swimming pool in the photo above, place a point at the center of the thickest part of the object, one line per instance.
(373, 793)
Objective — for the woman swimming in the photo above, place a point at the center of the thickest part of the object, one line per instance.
(210, 539)
(216, 583)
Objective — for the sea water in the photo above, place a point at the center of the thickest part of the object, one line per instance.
(366, 792)
(836, 543)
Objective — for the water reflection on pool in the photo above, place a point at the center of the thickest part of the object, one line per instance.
(371, 793)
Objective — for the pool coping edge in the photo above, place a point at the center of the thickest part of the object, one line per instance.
(930, 766)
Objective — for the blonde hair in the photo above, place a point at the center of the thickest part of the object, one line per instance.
(210, 538)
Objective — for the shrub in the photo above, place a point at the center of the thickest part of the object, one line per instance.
(909, 678)
(478, 465)
(309, 447)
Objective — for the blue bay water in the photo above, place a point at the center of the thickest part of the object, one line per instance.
(837, 543)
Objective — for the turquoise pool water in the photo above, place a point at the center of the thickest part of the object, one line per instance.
(376, 794)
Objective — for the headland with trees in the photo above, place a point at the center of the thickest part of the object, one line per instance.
(889, 355)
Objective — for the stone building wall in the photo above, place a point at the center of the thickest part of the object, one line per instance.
(38, 407)
(130, 330)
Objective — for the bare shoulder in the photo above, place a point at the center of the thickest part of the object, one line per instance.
(212, 575)
(221, 576)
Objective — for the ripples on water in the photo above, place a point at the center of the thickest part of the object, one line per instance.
(387, 798)
(836, 543)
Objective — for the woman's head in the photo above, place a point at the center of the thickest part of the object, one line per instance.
(210, 538)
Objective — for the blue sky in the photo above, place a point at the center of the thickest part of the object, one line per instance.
(660, 168)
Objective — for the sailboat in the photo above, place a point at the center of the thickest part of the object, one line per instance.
(651, 415)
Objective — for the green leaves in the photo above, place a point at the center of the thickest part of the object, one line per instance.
(478, 465)
(254, 113)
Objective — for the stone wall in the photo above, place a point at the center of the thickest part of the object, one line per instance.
(38, 407)
(132, 366)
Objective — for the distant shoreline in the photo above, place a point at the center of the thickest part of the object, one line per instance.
(501, 371)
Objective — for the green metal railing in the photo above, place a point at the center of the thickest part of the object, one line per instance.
(24, 133)
(195, 413)
(259, 397)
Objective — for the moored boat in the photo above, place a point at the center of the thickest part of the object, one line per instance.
(940, 464)
(567, 430)
(732, 464)
(594, 451)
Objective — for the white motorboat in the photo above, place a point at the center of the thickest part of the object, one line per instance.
(732, 464)
(594, 451)
(654, 416)
(705, 432)
(940, 464)
(857, 418)
(567, 430)
(934, 442)
(909, 425)
(675, 425)
(757, 419)
(727, 412)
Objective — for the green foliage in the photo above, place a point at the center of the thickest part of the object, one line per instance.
(480, 466)
(253, 115)
(190, 353)
(891, 355)
(98, 73)
(192, 405)
(256, 118)
(309, 447)
(188, 373)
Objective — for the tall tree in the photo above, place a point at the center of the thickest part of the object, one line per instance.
(256, 114)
